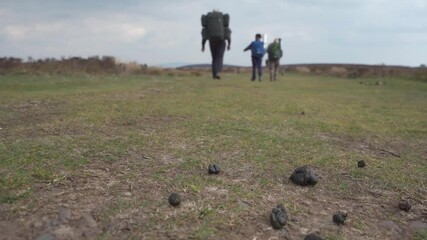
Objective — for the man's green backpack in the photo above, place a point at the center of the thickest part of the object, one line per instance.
(274, 51)
(215, 26)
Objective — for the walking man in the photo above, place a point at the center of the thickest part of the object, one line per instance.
(215, 29)
(274, 51)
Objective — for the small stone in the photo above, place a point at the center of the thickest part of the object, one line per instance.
(361, 163)
(418, 225)
(88, 226)
(38, 224)
(45, 236)
(174, 199)
(313, 236)
(391, 226)
(87, 221)
(64, 232)
(128, 194)
(339, 217)
(405, 205)
(243, 204)
(214, 169)
(64, 215)
(278, 217)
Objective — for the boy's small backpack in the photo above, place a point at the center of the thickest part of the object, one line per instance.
(258, 49)
(274, 51)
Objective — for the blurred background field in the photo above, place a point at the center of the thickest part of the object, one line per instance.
(116, 142)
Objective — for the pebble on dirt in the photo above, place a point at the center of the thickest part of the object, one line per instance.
(405, 205)
(361, 163)
(174, 199)
(45, 236)
(64, 215)
(304, 176)
(214, 169)
(88, 226)
(278, 217)
(339, 217)
(313, 236)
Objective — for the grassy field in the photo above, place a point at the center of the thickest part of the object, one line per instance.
(115, 147)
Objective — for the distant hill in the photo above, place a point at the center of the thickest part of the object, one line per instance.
(333, 69)
(173, 64)
(203, 66)
(293, 65)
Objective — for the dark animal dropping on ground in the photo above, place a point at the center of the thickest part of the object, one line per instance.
(361, 163)
(174, 199)
(339, 218)
(405, 205)
(278, 217)
(304, 176)
(313, 236)
(214, 169)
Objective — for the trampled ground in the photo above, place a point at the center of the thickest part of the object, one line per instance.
(96, 157)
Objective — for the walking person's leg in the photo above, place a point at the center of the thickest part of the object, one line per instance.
(270, 68)
(214, 51)
(220, 55)
(253, 68)
(276, 68)
(259, 67)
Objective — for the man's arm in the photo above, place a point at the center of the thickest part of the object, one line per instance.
(204, 39)
(229, 43)
(248, 47)
(227, 33)
(203, 44)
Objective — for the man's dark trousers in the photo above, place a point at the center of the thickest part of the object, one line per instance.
(256, 65)
(217, 51)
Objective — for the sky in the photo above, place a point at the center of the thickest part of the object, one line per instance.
(168, 32)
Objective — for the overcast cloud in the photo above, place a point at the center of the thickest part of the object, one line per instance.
(393, 32)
